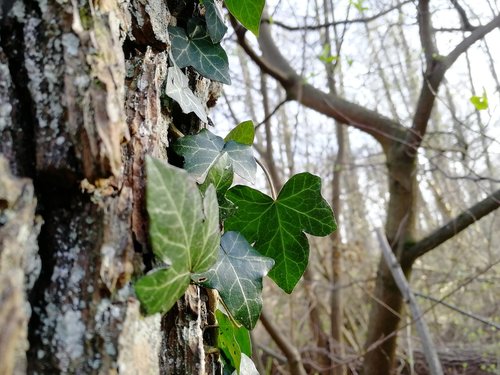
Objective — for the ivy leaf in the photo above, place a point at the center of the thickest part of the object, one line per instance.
(197, 50)
(221, 177)
(178, 89)
(215, 21)
(232, 340)
(248, 12)
(299, 208)
(184, 232)
(480, 102)
(201, 152)
(247, 367)
(243, 133)
(237, 275)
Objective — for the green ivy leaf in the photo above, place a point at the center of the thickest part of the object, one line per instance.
(201, 152)
(221, 177)
(184, 232)
(215, 21)
(237, 275)
(178, 89)
(233, 341)
(243, 133)
(299, 208)
(480, 102)
(197, 50)
(248, 12)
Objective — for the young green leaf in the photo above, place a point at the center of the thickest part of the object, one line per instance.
(184, 232)
(201, 152)
(480, 102)
(299, 208)
(237, 275)
(215, 21)
(247, 12)
(243, 133)
(178, 89)
(197, 50)
(233, 341)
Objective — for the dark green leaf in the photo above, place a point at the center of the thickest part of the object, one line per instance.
(215, 20)
(201, 152)
(248, 12)
(244, 133)
(237, 275)
(276, 228)
(184, 232)
(233, 341)
(198, 51)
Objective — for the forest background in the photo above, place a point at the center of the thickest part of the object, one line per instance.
(394, 103)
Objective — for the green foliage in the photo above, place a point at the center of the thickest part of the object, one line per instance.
(358, 5)
(244, 133)
(201, 152)
(233, 341)
(325, 55)
(184, 232)
(247, 12)
(215, 21)
(277, 227)
(237, 275)
(480, 102)
(195, 48)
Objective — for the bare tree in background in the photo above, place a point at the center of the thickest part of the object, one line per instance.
(426, 140)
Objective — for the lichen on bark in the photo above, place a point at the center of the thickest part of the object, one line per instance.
(82, 103)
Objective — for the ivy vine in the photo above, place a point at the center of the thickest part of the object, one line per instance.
(187, 207)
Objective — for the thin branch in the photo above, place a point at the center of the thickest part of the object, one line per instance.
(336, 23)
(290, 351)
(273, 63)
(460, 311)
(466, 25)
(280, 104)
(399, 277)
(453, 227)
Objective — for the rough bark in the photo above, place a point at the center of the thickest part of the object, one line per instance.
(80, 106)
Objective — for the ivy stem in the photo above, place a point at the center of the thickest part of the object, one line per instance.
(178, 134)
(269, 179)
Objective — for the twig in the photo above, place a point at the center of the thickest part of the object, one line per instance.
(269, 179)
(400, 279)
(463, 312)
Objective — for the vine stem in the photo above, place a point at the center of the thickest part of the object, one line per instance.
(269, 179)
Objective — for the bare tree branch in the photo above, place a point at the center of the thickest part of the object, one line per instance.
(430, 351)
(454, 226)
(291, 353)
(435, 71)
(466, 25)
(272, 62)
(336, 23)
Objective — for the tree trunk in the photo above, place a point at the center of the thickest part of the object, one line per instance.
(80, 107)
(388, 302)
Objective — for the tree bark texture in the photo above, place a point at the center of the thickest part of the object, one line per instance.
(81, 104)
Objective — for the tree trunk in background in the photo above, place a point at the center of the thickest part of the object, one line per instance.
(80, 106)
(388, 303)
